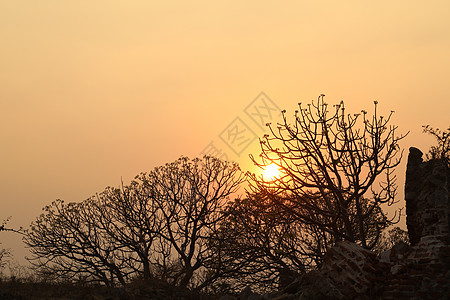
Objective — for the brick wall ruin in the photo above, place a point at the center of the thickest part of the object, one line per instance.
(424, 270)
(427, 198)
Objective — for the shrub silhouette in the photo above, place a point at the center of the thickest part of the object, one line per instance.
(442, 149)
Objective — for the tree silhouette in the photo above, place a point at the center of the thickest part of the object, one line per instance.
(4, 253)
(67, 242)
(331, 165)
(159, 226)
(442, 149)
(190, 196)
(390, 238)
(262, 245)
(129, 218)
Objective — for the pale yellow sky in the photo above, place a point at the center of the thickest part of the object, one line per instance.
(92, 91)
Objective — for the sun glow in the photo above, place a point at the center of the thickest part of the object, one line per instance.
(271, 172)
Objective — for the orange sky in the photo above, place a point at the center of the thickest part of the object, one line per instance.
(92, 91)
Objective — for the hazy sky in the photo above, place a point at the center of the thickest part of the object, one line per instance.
(92, 91)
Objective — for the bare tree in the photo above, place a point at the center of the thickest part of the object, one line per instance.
(191, 196)
(159, 226)
(265, 246)
(130, 217)
(331, 166)
(5, 254)
(66, 242)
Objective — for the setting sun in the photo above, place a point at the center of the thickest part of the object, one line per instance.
(271, 172)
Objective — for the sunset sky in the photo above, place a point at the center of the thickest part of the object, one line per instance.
(95, 91)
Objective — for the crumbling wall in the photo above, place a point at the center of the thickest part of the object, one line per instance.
(424, 270)
(353, 271)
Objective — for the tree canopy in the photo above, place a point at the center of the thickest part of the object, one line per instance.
(159, 226)
(331, 165)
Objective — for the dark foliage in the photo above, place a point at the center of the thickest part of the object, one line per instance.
(442, 149)
(390, 238)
